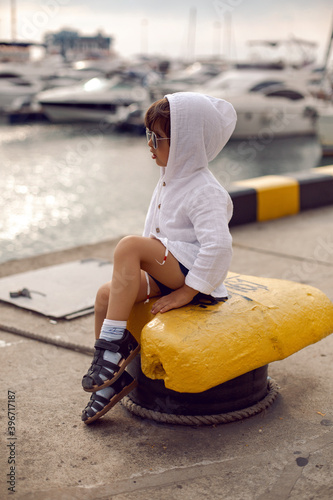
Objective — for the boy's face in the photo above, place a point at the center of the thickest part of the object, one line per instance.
(161, 153)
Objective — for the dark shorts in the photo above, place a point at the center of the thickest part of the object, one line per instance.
(165, 290)
(200, 298)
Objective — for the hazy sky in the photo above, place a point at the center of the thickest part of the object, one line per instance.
(221, 26)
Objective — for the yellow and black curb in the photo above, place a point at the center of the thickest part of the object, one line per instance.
(274, 196)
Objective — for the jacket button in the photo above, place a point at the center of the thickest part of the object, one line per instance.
(164, 184)
(159, 206)
(157, 229)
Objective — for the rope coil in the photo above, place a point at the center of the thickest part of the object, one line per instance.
(198, 420)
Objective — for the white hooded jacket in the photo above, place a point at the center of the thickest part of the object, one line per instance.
(190, 211)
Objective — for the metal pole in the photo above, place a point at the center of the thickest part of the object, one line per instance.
(192, 34)
(13, 19)
(328, 51)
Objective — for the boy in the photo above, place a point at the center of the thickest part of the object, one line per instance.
(186, 246)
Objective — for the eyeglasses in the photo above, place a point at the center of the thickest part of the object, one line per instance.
(151, 135)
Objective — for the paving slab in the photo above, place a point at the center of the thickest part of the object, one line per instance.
(297, 248)
(283, 453)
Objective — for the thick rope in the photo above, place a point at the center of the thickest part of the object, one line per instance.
(47, 340)
(222, 418)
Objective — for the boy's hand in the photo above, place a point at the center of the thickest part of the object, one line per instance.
(175, 299)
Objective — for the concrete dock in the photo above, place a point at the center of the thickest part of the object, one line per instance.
(283, 453)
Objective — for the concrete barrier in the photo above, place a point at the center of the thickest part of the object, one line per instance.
(274, 196)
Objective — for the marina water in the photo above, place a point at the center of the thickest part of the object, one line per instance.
(69, 185)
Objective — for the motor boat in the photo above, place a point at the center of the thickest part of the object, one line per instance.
(268, 104)
(185, 79)
(14, 86)
(325, 117)
(21, 82)
(97, 99)
(325, 130)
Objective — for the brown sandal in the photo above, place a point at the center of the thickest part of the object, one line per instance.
(127, 346)
(123, 386)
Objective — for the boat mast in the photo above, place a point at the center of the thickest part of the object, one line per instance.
(192, 34)
(13, 19)
(144, 36)
(327, 56)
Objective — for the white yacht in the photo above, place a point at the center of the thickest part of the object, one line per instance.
(97, 99)
(21, 82)
(325, 130)
(268, 104)
(14, 85)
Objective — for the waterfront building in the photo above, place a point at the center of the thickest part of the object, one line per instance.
(73, 46)
(17, 52)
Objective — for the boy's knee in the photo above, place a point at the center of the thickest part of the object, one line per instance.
(128, 244)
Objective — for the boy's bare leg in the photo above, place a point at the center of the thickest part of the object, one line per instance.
(102, 299)
(133, 257)
(133, 254)
(101, 306)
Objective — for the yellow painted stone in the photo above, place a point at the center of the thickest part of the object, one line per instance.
(193, 348)
(277, 196)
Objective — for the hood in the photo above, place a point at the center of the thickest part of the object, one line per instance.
(200, 127)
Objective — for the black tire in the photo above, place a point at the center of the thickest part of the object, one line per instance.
(236, 394)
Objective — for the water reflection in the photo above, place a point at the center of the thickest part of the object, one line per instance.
(63, 186)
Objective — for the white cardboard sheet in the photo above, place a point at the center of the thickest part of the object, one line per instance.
(63, 291)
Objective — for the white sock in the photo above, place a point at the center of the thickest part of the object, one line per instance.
(112, 330)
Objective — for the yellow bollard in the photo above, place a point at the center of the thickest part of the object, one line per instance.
(195, 348)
